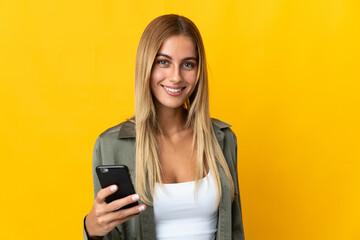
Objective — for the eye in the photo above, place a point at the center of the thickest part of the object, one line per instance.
(162, 62)
(188, 65)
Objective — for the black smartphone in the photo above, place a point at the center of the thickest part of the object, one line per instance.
(116, 175)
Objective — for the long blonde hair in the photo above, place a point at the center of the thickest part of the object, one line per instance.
(148, 167)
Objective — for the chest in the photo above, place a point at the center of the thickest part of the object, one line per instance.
(178, 159)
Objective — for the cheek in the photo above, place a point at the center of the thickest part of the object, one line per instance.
(157, 75)
(190, 77)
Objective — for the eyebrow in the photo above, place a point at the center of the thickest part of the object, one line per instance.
(167, 56)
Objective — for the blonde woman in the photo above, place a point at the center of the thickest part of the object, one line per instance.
(183, 162)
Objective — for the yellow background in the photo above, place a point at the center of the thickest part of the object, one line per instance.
(284, 73)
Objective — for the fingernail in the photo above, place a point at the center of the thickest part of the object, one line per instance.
(141, 208)
(113, 188)
(135, 197)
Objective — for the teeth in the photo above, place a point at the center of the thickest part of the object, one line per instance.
(173, 89)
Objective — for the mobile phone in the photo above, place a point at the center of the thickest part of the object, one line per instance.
(116, 175)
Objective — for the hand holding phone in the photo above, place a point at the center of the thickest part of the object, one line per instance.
(110, 208)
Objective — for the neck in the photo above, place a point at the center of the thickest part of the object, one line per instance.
(171, 120)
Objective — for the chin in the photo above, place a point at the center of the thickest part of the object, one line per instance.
(171, 105)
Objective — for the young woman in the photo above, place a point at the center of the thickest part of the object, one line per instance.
(183, 162)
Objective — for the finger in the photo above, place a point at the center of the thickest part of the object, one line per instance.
(125, 213)
(117, 204)
(105, 192)
(113, 224)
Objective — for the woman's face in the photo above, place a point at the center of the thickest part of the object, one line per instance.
(173, 75)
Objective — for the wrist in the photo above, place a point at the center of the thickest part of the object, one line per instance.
(87, 233)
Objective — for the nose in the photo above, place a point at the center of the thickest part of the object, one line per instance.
(175, 75)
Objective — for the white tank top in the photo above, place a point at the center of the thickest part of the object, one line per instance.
(179, 214)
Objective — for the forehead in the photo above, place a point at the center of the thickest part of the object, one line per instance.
(178, 46)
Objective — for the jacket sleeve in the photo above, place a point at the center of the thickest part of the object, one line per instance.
(237, 223)
(98, 160)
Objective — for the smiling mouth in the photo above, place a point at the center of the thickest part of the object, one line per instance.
(173, 90)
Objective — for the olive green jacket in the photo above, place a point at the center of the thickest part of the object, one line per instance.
(117, 146)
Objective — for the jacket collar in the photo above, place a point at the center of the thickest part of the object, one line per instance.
(218, 126)
(127, 129)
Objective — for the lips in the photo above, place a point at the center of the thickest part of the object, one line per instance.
(173, 91)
